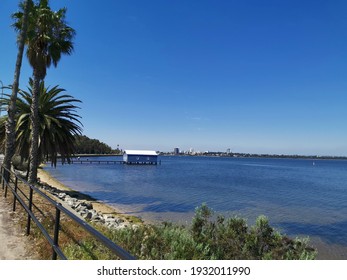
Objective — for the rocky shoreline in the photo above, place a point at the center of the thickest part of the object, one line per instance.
(84, 208)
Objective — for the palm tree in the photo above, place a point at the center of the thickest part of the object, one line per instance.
(59, 123)
(48, 37)
(11, 124)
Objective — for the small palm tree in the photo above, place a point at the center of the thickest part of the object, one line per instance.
(59, 123)
(48, 37)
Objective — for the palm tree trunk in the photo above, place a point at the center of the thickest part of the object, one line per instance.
(35, 123)
(11, 111)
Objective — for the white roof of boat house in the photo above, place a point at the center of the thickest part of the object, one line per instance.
(141, 152)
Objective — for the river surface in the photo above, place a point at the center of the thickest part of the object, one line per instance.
(300, 197)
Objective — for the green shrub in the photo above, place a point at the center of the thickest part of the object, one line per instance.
(207, 238)
(210, 238)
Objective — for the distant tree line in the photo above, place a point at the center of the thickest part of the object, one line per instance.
(85, 145)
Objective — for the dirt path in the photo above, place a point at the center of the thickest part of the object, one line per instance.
(13, 242)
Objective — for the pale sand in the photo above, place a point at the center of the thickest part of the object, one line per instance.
(97, 205)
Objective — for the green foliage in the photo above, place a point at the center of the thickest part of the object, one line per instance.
(58, 123)
(48, 35)
(90, 251)
(207, 238)
(232, 239)
(85, 145)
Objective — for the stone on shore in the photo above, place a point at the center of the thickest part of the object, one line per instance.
(85, 209)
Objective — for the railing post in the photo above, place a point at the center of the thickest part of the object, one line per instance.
(6, 185)
(56, 232)
(7, 180)
(30, 208)
(1, 172)
(3, 177)
(14, 195)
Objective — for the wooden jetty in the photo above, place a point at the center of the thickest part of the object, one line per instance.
(92, 161)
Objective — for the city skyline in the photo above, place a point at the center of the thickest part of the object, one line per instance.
(263, 77)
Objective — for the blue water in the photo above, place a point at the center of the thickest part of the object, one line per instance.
(300, 197)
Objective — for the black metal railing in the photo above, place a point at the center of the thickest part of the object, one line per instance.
(10, 180)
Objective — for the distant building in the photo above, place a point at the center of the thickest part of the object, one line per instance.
(176, 151)
(140, 157)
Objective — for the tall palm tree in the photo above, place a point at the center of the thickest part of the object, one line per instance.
(48, 37)
(11, 124)
(58, 123)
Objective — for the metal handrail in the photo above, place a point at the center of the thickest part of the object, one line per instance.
(116, 249)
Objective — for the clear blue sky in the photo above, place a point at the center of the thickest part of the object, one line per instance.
(252, 76)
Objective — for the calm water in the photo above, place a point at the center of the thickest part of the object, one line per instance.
(300, 197)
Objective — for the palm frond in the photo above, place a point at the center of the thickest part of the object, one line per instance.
(58, 119)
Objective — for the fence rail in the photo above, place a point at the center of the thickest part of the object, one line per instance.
(10, 181)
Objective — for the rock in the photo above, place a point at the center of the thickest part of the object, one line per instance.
(94, 213)
(111, 220)
(62, 195)
(122, 226)
(71, 201)
(97, 218)
(88, 205)
(86, 214)
(81, 208)
(86, 211)
(120, 221)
